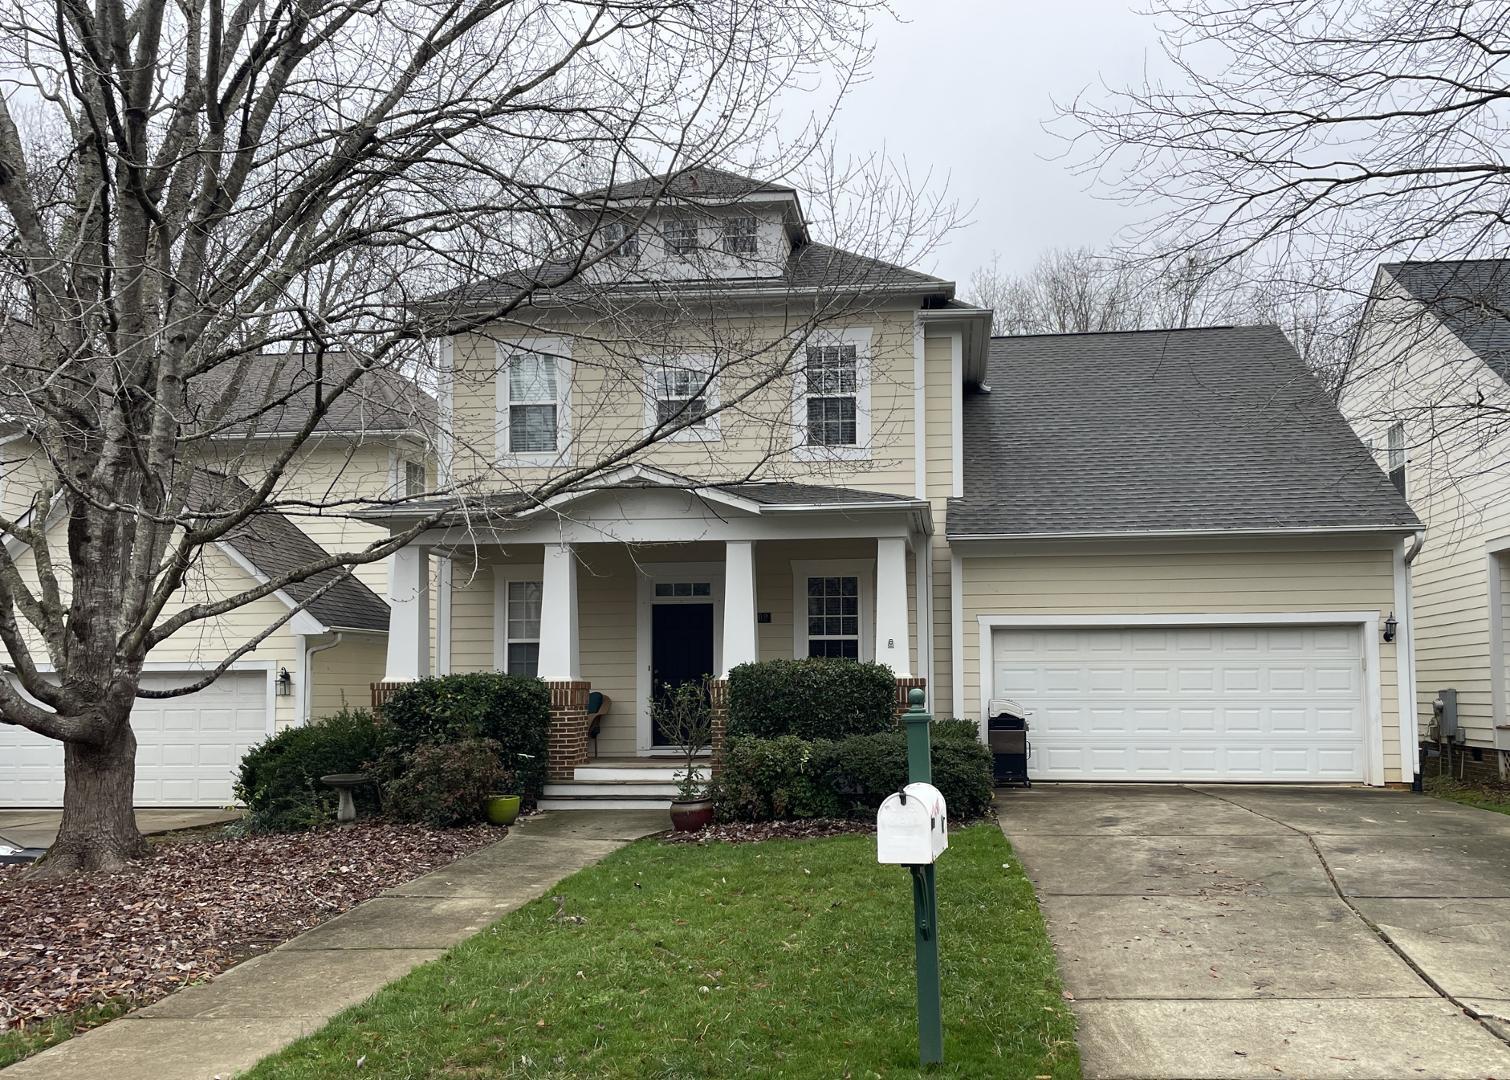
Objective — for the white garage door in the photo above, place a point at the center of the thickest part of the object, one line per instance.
(1207, 703)
(187, 747)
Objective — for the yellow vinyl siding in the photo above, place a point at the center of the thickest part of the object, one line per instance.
(1210, 578)
(343, 676)
(1411, 368)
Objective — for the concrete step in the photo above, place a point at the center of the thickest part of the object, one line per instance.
(627, 788)
(655, 770)
(607, 802)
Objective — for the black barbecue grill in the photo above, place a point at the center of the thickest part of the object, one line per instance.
(1007, 733)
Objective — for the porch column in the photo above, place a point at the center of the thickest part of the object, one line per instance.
(892, 646)
(740, 643)
(409, 615)
(559, 647)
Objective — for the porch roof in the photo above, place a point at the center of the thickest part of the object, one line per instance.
(755, 498)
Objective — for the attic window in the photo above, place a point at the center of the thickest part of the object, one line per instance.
(739, 235)
(621, 241)
(1396, 455)
(681, 235)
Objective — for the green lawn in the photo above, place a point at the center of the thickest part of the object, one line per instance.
(18, 1043)
(1485, 796)
(783, 958)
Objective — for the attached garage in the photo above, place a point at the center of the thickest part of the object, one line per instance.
(187, 747)
(1192, 702)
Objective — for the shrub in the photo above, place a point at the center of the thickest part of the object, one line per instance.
(446, 784)
(811, 698)
(864, 769)
(955, 728)
(279, 779)
(512, 710)
(772, 780)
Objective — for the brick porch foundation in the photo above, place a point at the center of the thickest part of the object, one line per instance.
(568, 729)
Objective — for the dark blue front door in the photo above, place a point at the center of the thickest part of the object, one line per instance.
(681, 650)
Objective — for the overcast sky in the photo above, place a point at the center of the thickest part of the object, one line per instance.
(964, 87)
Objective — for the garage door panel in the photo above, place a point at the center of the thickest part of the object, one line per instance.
(187, 753)
(1247, 703)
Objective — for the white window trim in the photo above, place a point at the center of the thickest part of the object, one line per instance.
(560, 348)
(864, 569)
(859, 337)
(724, 235)
(398, 462)
(710, 430)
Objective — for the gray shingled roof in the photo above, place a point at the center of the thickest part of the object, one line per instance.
(1215, 429)
(276, 546)
(1472, 299)
(810, 268)
(703, 183)
(381, 401)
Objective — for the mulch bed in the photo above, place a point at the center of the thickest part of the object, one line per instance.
(194, 909)
(753, 832)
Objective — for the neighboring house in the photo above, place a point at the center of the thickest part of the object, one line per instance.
(373, 445)
(1169, 546)
(1429, 390)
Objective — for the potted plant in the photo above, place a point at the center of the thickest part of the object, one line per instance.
(686, 718)
(504, 809)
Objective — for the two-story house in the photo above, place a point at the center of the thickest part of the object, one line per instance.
(373, 444)
(1429, 390)
(730, 441)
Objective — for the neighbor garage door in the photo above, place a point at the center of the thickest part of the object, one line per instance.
(187, 747)
(1199, 703)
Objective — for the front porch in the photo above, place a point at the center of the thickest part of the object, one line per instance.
(636, 589)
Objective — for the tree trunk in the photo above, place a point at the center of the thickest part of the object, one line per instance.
(99, 826)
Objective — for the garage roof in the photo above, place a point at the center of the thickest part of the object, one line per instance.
(1208, 430)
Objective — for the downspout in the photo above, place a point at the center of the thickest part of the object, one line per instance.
(1408, 692)
(309, 675)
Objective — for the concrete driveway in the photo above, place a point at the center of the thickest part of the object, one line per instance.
(1265, 932)
(39, 828)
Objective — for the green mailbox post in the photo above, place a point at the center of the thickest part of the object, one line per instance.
(912, 829)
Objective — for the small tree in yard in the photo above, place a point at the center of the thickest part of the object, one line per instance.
(685, 717)
(187, 188)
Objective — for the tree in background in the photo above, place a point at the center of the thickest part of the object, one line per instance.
(190, 188)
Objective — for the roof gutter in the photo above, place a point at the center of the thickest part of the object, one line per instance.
(1163, 534)
(977, 323)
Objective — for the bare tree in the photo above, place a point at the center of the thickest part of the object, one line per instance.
(188, 188)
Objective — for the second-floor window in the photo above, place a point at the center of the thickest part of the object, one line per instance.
(833, 383)
(1396, 454)
(414, 478)
(681, 236)
(621, 241)
(532, 403)
(680, 396)
(739, 235)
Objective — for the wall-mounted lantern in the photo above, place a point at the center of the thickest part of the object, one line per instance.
(285, 683)
(1390, 625)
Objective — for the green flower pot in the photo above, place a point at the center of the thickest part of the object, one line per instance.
(503, 809)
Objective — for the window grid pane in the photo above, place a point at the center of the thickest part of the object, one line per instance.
(523, 658)
(532, 379)
(681, 236)
(739, 235)
(833, 617)
(628, 242)
(832, 369)
(532, 429)
(831, 421)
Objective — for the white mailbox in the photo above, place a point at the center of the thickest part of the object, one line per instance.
(912, 826)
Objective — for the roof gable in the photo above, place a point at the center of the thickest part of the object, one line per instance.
(1470, 297)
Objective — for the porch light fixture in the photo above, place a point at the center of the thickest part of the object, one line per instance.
(1389, 627)
(286, 683)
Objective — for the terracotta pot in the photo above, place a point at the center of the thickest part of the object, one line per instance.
(691, 814)
(503, 809)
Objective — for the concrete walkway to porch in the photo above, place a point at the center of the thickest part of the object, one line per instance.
(219, 1028)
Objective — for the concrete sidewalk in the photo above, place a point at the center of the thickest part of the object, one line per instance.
(225, 1026)
(1245, 932)
(39, 828)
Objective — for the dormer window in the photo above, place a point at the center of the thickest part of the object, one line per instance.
(681, 236)
(621, 241)
(739, 235)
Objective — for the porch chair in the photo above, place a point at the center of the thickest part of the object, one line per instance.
(598, 705)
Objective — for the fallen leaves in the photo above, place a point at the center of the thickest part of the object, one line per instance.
(744, 832)
(193, 909)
